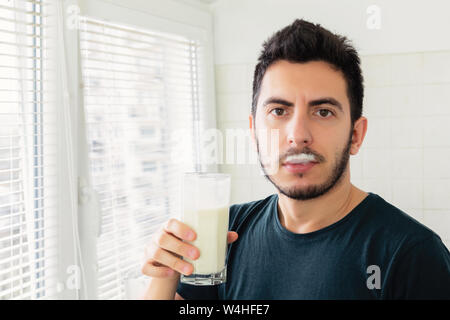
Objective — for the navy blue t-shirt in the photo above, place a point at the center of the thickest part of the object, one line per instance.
(375, 252)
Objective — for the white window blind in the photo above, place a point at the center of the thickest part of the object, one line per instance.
(27, 155)
(140, 92)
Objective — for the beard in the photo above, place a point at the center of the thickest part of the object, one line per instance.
(313, 191)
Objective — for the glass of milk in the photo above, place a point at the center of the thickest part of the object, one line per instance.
(206, 198)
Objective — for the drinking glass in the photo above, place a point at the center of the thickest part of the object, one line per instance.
(206, 198)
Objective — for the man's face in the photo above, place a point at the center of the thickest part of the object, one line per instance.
(307, 105)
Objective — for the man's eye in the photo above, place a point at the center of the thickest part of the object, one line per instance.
(277, 111)
(324, 112)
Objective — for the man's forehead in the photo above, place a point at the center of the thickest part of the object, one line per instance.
(307, 72)
(312, 80)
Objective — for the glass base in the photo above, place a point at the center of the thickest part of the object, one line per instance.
(205, 279)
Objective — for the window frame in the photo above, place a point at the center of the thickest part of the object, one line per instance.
(197, 26)
(64, 254)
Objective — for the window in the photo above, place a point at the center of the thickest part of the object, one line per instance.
(28, 181)
(140, 89)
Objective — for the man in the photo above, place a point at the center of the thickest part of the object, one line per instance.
(319, 237)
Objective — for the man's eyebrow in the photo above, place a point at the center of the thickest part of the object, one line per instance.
(312, 103)
(327, 100)
(277, 101)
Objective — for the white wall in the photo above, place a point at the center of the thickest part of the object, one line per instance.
(406, 65)
(240, 26)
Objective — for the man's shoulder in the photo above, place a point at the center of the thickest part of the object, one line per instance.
(417, 261)
(240, 211)
(395, 224)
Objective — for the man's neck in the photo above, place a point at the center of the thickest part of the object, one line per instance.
(311, 215)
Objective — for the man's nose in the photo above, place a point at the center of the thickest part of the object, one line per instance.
(298, 131)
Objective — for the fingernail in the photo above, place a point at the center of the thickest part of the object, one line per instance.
(186, 269)
(192, 253)
(190, 235)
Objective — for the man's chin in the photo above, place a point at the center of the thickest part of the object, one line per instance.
(306, 193)
(297, 190)
(300, 194)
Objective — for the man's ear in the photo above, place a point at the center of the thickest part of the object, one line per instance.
(251, 121)
(359, 132)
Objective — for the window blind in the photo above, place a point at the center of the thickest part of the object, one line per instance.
(141, 99)
(27, 155)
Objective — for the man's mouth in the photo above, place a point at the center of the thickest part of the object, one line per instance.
(300, 163)
(299, 167)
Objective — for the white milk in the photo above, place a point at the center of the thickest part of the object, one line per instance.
(211, 226)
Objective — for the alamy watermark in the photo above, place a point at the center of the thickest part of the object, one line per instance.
(231, 146)
(373, 21)
(73, 17)
(374, 280)
(73, 280)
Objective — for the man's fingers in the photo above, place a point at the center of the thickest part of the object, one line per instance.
(164, 255)
(168, 259)
(180, 230)
(232, 236)
(172, 244)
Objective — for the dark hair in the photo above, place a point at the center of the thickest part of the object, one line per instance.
(303, 41)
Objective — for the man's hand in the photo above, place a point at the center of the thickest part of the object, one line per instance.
(164, 253)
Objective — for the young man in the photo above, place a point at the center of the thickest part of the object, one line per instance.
(319, 237)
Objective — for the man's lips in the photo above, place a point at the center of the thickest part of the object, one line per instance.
(299, 167)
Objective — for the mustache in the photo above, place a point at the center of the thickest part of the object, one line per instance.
(295, 151)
